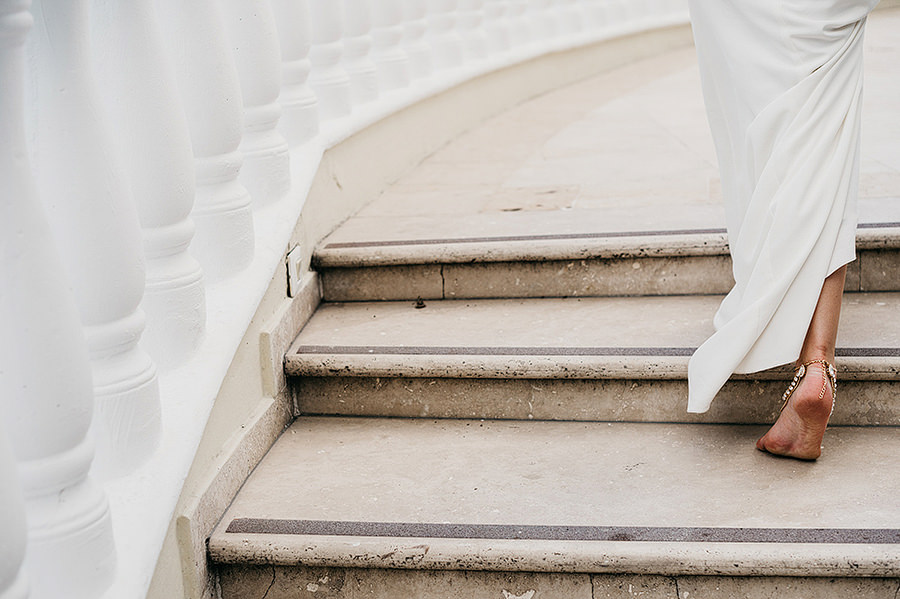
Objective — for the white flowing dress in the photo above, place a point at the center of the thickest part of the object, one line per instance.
(782, 82)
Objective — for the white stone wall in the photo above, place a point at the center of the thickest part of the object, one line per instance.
(155, 156)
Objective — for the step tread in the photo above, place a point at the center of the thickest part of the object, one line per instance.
(592, 497)
(413, 241)
(642, 337)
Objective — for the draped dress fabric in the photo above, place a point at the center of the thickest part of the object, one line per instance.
(782, 82)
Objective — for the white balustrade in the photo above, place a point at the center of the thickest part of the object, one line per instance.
(210, 94)
(527, 21)
(251, 31)
(443, 37)
(390, 58)
(150, 133)
(357, 58)
(328, 78)
(616, 13)
(94, 221)
(598, 19)
(414, 26)
(570, 16)
(16, 189)
(13, 578)
(300, 114)
(496, 26)
(471, 29)
(636, 10)
(46, 404)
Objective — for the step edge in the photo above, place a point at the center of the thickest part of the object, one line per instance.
(746, 559)
(467, 366)
(519, 250)
(875, 236)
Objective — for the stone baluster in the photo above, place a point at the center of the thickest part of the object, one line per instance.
(471, 26)
(13, 579)
(16, 189)
(526, 23)
(94, 220)
(496, 25)
(46, 403)
(545, 19)
(390, 59)
(443, 37)
(570, 16)
(669, 8)
(643, 10)
(357, 57)
(597, 17)
(328, 78)
(616, 14)
(638, 10)
(251, 32)
(48, 414)
(300, 113)
(210, 94)
(415, 23)
(151, 135)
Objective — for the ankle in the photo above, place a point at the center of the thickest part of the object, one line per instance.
(816, 353)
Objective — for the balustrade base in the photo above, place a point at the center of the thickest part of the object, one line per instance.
(127, 414)
(300, 117)
(176, 313)
(71, 552)
(19, 588)
(266, 173)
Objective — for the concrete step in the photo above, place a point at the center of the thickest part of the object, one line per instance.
(570, 264)
(595, 359)
(347, 508)
(605, 187)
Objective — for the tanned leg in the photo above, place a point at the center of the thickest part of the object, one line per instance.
(799, 430)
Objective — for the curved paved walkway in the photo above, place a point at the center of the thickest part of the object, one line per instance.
(628, 150)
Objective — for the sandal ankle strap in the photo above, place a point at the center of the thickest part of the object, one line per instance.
(829, 374)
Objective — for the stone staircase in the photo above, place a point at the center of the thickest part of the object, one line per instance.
(491, 399)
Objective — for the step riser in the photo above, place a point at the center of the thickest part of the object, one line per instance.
(860, 403)
(277, 582)
(874, 270)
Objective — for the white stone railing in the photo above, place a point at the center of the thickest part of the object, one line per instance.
(155, 156)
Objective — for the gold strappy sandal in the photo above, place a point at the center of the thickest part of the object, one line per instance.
(829, 374)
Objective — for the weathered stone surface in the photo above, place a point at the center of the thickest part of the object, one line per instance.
(715, 587)
(641, 586)
(382, 283)
(861, 403)
(301, 582)
(271, 582)
(880, 270)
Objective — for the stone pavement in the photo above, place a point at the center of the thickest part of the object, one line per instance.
(628, 150)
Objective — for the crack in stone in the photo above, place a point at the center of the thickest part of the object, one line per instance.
(271, 584)
(677, 592)
(897, 592)
(443, 284)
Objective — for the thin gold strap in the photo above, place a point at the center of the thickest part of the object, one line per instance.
(828, 373)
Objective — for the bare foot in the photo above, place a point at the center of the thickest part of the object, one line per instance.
(799, 430)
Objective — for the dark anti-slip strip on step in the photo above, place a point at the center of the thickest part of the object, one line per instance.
(664, 534)
(426, 350)
(552, 237)
(878, 226)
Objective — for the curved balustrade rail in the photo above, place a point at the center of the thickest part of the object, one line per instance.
(150, 185)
